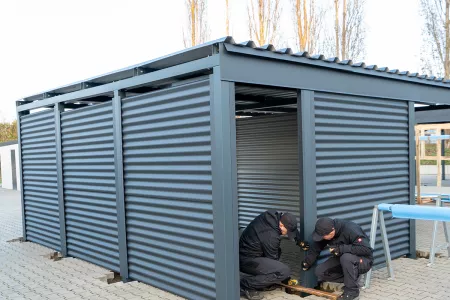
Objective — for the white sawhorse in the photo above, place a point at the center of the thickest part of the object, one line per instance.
(434, 248)
(378, 214)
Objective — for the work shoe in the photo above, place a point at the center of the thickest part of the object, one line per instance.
(293, 282)
(290, 281)
(251, 294)
(346, 296)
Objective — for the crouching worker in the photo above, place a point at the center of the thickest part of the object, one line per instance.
(259, 252)
(351, 254)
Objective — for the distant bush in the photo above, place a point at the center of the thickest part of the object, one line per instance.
(8, 131)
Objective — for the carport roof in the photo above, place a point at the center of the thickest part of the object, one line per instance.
(246, 48)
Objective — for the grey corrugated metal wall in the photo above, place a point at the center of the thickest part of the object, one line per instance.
(168, 189)
(362, 152)
(40, 189)
(267, 162)
(89, 185)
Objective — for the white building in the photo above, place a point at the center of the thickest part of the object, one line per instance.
(9, 165)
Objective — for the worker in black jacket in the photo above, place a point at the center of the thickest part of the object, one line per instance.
(259, 251)
(352, 254)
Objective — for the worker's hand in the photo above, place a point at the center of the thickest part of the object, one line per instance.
(335, 251)
(305, 266)
(304, 245)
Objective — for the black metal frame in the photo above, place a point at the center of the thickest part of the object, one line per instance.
(229, 64)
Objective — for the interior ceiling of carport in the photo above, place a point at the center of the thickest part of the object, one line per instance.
(257, 100)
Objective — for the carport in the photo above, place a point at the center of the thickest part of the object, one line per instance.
(150, 171)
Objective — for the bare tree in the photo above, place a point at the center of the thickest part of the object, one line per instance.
(263, 21)
(308, 24)
(336, 26)
(227, 21)
(436, 37)
(348, 41)
(197, 31)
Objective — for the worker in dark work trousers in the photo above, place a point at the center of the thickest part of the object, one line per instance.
(351, 254)
(259, 252)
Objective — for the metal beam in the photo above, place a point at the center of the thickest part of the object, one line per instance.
(255, 70)
(224, 187)
(22, 196)
(307, 171)
(276, 110)
(154, 78)
(266, 104)
(98, 99)
(433, 116)
(88, 85)
(49, 95)
(431, 107)
(59, 108)
(74, 106)
(412, 176)
(120, 191)
(248, 113)
(145, 89)
(263, 99)
(141, 70)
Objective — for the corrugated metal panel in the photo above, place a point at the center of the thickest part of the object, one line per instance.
(362, 153)
(267, 162)
(39, 178)
(168, 189)
(89, 185)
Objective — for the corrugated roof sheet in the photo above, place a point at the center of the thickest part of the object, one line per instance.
(247, 48)
(335, 62)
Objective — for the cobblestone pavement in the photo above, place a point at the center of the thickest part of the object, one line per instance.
(424, 237)
(27, 272)
(413, 280)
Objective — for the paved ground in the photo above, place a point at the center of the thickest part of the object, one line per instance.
(431, 180)
(27, 272)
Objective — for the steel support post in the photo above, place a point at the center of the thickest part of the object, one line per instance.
(224, 187)
(120, 191)
(59, 108)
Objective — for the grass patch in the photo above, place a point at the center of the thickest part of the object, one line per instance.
(431, 150)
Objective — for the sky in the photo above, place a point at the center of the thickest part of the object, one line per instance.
(49, 43)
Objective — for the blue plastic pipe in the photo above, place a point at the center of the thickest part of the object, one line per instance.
(385, 206)
(417, 212)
